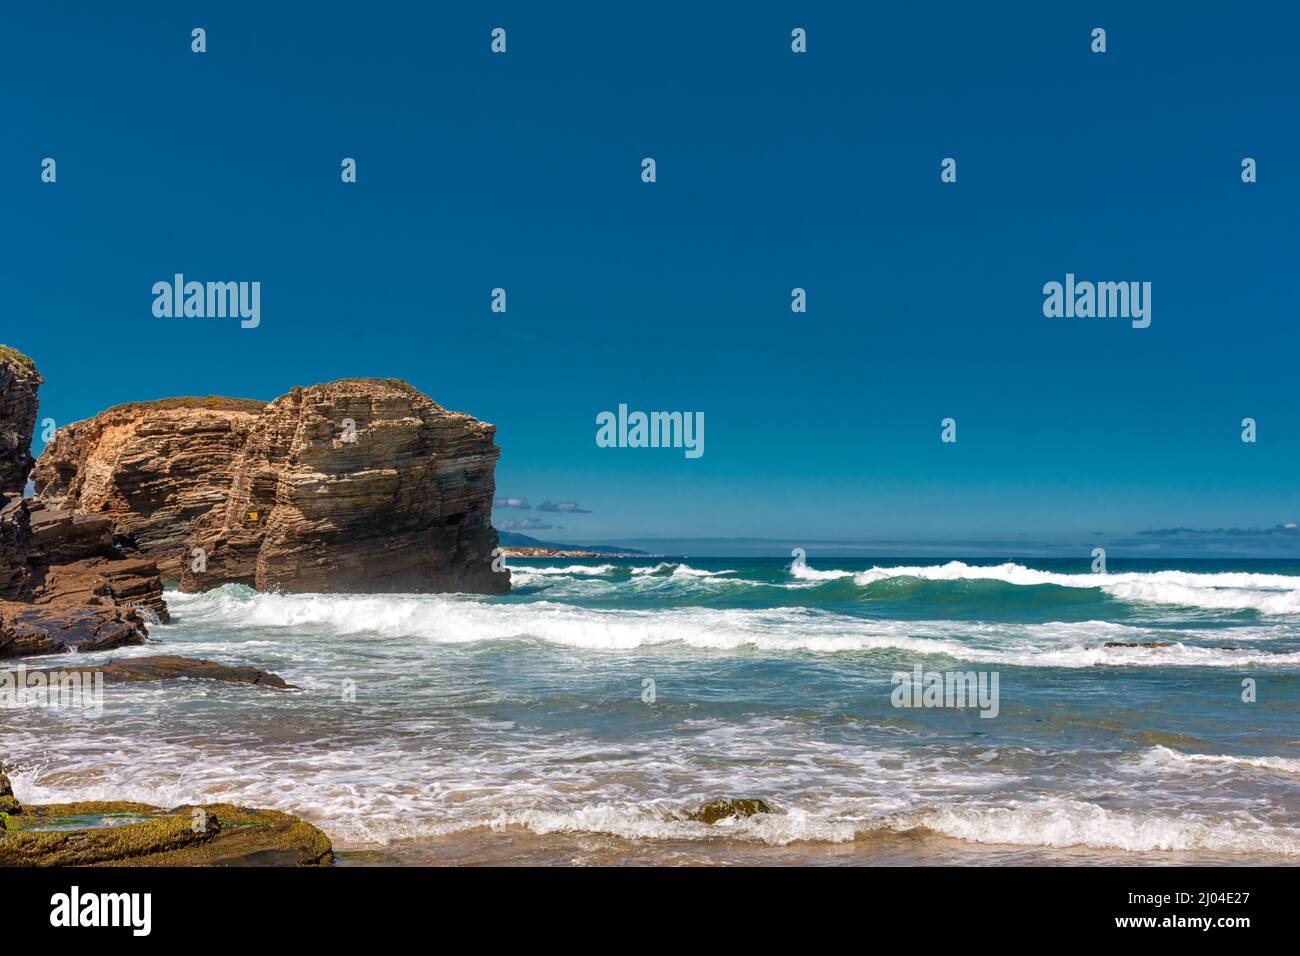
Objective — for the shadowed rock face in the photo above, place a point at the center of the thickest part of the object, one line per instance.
(151, 468)
(19, 381)
(27, 629)
(360, 485)
(166, 667)
(64, 583)
(15, 539)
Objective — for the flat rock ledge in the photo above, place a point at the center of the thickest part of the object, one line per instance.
(164, 667)
(30, 629)
(120, 833)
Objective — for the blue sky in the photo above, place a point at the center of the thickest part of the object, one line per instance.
(775, 170)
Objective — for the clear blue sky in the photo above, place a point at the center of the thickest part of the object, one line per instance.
(775, 170)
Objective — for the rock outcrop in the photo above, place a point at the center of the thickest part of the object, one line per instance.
(15, 539)
(64, 581)
(359, 485)
(165, 667)
(119, 833)
(150, 468)
(27, 629)
(19, 381)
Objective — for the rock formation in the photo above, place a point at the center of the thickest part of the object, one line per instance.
(149, 468)
(64, 582)
(19, 381)
(27, 629)
(75, 834)
(15, 537)
(165, 667)
(360, 485)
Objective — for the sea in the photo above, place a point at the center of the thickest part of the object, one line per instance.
(1149, 714)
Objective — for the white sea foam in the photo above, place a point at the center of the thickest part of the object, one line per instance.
(1267, 594)
(1060, 822)
(1272, 594)
(1168, 758)
(679, 570)
(365, 790)
(459, 620)
(592, 570)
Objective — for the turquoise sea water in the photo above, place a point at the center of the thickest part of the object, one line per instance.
(526, 728)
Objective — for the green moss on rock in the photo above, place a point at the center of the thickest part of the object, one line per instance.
(15, 357)
(716, 810)
(216, 403)
(208, 835)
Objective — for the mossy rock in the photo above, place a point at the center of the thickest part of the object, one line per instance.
(15, 357)
(216, 403)
(8, 804)
(209, 835)
(716, 810)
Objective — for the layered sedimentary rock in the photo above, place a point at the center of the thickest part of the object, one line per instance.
(150, 468)
(360, 485)
(167, 667)
(72, 560)
(15, 538)
(19, 381)
(27, 629)
(64, 582)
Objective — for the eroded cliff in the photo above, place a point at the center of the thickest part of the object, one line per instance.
(359, 485)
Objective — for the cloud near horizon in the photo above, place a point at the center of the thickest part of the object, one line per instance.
(525, 524)
(1278, 529)
(564, 507)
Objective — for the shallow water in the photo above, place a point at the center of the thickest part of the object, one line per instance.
(493, 730)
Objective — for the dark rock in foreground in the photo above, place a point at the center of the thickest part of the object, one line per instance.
(118, 833)
(80, 590)
(8, 804)
(134, 670)
(716, 810)
(19, 382)
(135, 834)
(27, 629)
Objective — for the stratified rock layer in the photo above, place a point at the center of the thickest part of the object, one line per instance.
(150, 468)
(360, 485)
(19, 381)
(166, 667)
(27, 629)
(64, 582)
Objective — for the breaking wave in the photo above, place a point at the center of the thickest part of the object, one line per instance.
(454, 620)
